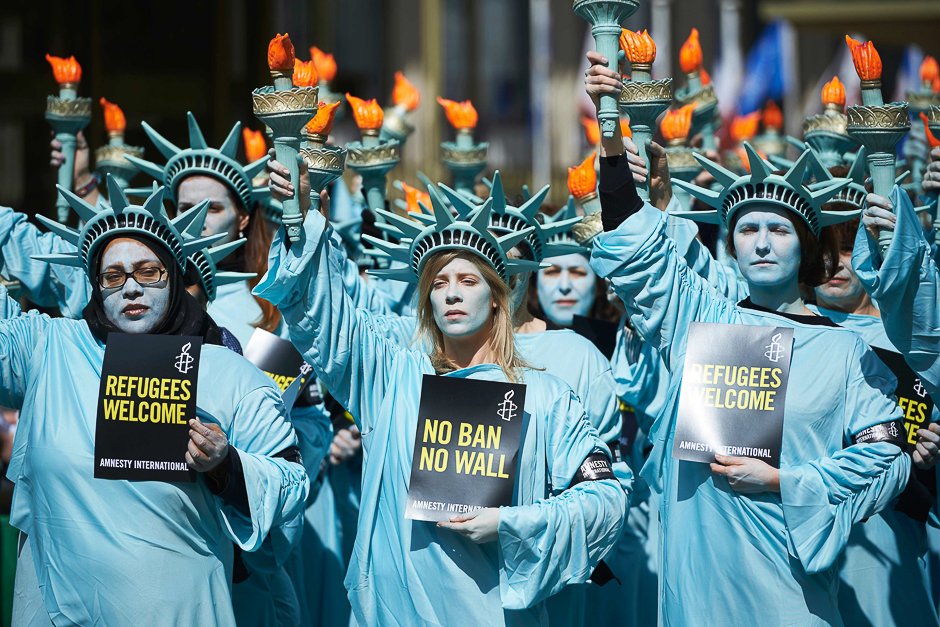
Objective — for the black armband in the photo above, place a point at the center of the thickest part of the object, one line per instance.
(892, 432)
(595, 467)
(617, 191)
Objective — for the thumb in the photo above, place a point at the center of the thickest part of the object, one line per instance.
(655, 150)
(464, 517)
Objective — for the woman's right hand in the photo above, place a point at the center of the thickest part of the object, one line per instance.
(81, 173)
(280, 184)
(877, 215)
(599, 79)
(932, 175)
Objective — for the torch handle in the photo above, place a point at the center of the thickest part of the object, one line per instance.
(642, 133)
(882, 166)
(607, 42)
(374, 186)
(708, 136)
(65, 173)
(286, 150)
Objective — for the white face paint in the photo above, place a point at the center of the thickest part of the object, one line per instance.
(133, 308)
(461, 299)
(567, 288)
(767, 247)
(844, 290)
(223, 215)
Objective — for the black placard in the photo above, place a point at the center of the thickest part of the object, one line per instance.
(277, 358)
(916, 404)
(466, 447)
(146, 399)
(602, 333)
(734, 385)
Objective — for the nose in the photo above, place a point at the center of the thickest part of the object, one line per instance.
(762, 246)
(564, 283)
(452, 296)
(131, 289)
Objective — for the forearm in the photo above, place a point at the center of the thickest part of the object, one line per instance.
(617, 191)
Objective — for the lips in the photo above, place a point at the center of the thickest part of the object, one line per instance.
(566, 302)
(453, 314)
(134, 310)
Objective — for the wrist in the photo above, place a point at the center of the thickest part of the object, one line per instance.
(83, 186)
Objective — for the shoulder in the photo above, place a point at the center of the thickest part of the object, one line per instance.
(546, 386)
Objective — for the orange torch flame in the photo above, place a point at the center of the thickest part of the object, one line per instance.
(461, 115)
(833, 93)
(325, 64)
(744, 127)
(65, 70)
(929, 70)
(281, 54)
(322, 122)
(625, 130)
(773, 116)
(305, 73)
(675, 126)
(705, 77)
(114, 121)
(866, 59)
(405, 94)
(638, 47)
(255, 146)
(413, 196)
(931, 140)
(592, 131)
(582, 180)
(369, 115)
(690, 55)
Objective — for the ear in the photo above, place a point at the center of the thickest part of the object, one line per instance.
(243, 219)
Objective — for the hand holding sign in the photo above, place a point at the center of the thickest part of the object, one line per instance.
(746, 474)
(208, 446)
(479, 525)
(927, 452)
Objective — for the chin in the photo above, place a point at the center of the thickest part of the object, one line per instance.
(144, 325)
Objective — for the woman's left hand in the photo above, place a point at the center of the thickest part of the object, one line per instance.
(927, 453)
(208, 446)
(480, 525)
(747, 475)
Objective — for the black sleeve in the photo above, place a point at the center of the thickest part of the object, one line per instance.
(617, 192)
(228, 480)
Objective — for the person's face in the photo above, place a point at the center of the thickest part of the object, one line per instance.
(134, 308)
(224, 215)
(767, 246)
(567, 288)
(844, 289)
(461, 299)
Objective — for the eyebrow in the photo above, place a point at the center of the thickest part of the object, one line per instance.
(137, 266)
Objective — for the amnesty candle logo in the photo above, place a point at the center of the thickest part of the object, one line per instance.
(775, 349)
(507, 409)
(184, 361)
(146, 399)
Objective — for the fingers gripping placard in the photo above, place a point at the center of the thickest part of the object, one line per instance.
(146, 400)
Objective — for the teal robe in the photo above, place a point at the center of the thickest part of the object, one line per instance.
(769, 558)
(410, 572)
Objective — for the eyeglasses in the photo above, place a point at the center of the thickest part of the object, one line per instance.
(143, 277)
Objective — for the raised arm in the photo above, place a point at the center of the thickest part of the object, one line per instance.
(48, 285)
(334, 337)
(905, 285)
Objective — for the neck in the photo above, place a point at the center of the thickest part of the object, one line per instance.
(861, 306)
(782, 299)
(524, 322)
(465, 352)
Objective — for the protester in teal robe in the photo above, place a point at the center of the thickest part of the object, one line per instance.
(743, 543)
(95, 550)
(418, 573)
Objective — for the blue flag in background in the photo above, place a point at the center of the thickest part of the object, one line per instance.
(767, 73)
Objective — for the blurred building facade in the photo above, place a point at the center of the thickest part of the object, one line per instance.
(520, 61)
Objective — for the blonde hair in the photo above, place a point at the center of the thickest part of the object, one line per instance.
(502, 341)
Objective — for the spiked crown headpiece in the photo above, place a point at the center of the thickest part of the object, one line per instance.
(200, 159)
(854, 193)
(567, 216)
(761, 186)
(123, 218)
(506, 219)
(206, 260)
(445, 232)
